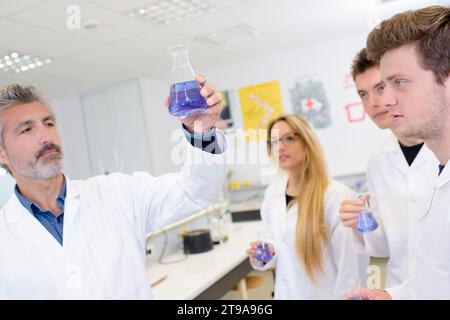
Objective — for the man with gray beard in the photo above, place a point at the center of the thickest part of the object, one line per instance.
(65, 239)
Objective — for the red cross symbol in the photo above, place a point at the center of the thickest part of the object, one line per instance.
(309, 103)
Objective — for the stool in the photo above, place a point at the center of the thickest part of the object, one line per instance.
(248, 282)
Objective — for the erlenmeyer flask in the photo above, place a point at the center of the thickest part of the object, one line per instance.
(366, 220)
(185, 98)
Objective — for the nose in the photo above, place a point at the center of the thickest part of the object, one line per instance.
(45, 136)
(375, 101)
(387, 99)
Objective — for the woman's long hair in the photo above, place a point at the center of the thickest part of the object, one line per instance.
(311, 230)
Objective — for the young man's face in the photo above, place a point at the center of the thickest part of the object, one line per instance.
(370, 89)
(31, 143)
(418, 105)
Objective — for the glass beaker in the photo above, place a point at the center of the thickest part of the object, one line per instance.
(366, 220)
(263, 250)
(185, 98)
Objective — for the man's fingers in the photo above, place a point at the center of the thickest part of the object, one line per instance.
(214, 109)
(166, 102)
(207, 90)
(200, 79)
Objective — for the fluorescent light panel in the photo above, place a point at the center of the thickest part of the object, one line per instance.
(21, 62)
(223, 36)
(163, 12)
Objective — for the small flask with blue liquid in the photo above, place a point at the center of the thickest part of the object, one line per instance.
(185, 98)
(366, 220)
(263, 250)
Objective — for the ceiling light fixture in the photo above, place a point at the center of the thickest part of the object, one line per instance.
(163, 12)
(220, 37)
(19, 62)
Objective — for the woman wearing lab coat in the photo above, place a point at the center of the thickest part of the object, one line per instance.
(314, 256)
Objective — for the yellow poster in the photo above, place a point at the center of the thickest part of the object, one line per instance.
(259, 104)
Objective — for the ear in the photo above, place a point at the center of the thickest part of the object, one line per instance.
(447, 87)
(3, 157)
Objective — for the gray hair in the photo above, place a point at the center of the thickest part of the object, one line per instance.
(13, 95)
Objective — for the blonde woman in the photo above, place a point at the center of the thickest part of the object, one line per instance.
(313, 253)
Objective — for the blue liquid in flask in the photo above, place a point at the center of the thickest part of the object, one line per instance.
(263, 252)
(366, 222)
(185, 99)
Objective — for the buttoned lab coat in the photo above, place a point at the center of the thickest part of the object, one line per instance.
(340, 259)
(105, 222)
(399, 194)
(431, 265)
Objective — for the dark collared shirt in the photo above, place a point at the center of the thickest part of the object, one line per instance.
(53, 223)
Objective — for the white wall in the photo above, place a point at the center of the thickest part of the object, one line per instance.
(6, 186)
(160, 125)
(73, 135)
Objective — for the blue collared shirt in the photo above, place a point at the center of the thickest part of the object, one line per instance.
(53, 223)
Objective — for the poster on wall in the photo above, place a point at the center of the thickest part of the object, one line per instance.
(354, 109)
(260, 104)
(309, 98)
(226, 120)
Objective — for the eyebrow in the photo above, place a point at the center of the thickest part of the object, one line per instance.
(378, 85)
(286, 134)
(394, 76)
(30, 122)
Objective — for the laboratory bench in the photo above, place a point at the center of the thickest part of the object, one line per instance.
(207, 275)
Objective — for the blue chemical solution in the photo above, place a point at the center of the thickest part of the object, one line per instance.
(185, 99)
(263, 252)
(366, 222)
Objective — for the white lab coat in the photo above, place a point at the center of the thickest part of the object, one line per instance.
(399, 195)
(105, 222)
(340, 260)
(429, 277)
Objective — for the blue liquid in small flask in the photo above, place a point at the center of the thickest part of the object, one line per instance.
(366, 220)
(263, 252)
(185, 98)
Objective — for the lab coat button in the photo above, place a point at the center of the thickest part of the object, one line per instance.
(73, 278)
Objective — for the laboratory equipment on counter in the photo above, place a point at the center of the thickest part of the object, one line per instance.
(197, 241)
(366, 220)
(185, 98)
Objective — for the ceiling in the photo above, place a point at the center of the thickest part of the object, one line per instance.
(121, 47)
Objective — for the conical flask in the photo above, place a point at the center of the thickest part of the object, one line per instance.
(366, 220)
(185, 98)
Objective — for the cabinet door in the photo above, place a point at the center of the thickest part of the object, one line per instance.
(116, 131)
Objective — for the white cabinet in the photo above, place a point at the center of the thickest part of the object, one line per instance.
(116, 129)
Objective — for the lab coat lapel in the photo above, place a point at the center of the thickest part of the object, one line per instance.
(278, 199)
(24, 224)
(423, 156)
(71, 206)
(443, 179)
(397, 158)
